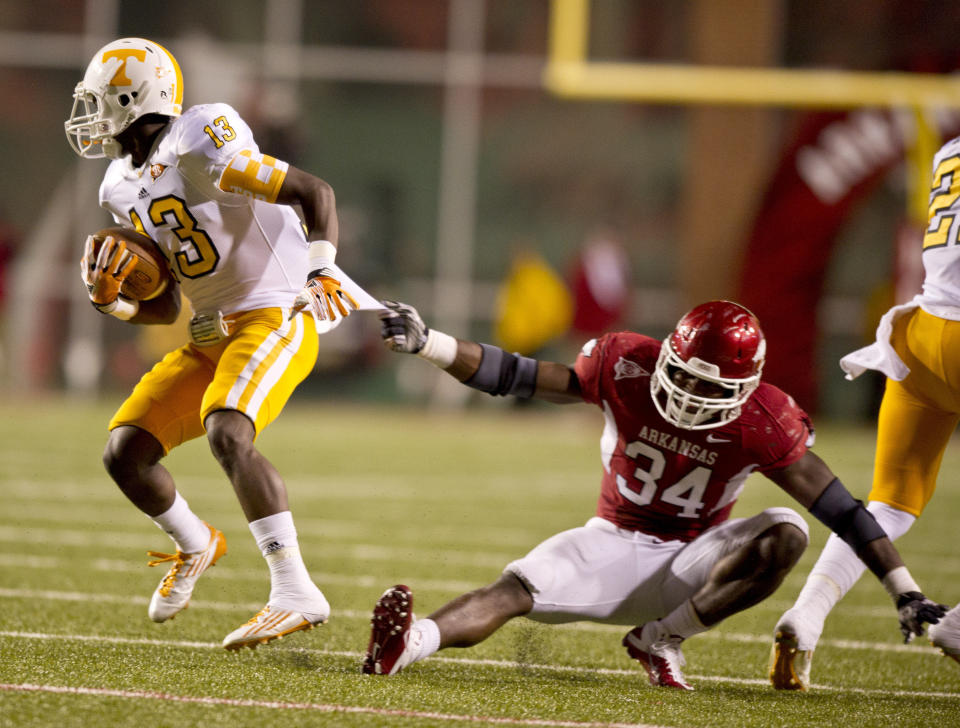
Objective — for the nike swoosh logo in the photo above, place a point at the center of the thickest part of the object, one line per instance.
(714, 438)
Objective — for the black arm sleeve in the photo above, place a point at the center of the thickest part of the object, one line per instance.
(501, 373)
(846, 516)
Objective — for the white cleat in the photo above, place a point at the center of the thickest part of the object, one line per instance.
(946, 634)
(273, 623)
(174, 591)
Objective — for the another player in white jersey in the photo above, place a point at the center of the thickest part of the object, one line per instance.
(918, 349)
(222, 213)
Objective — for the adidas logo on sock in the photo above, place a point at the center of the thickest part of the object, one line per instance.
(272, 547)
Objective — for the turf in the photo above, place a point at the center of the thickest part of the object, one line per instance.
(439, 501)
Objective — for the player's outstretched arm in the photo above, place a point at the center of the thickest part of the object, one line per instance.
(481, 366)
(811, 482)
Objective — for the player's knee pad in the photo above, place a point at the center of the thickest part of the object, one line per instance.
(773, 516)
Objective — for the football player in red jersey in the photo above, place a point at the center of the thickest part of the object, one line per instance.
(687, 421)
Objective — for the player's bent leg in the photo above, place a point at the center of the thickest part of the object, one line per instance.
(132, 458)
(472, 617)
(295, 602)
(946, 634)
(751, 573)
(739, 580)
(258, 485)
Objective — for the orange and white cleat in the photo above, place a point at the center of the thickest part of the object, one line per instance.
(174, 591)
(272, 623)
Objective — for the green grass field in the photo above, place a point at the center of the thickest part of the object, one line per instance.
(437, 501)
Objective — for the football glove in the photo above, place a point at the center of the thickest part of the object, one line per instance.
(324, 296)
(105, 272)
(401, 328)
(914, 609)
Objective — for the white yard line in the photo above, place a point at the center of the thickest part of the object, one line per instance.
(244, 607)
(318, 707)
(502, 664)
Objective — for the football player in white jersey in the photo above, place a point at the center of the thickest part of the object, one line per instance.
(918, 349)
(222, 212)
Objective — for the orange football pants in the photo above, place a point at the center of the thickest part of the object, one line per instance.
(254, 370)
(918, 415)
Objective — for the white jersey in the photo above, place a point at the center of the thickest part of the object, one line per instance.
(941, 241)
(205, 196)
(941, 265)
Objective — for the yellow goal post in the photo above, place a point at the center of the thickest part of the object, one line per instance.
(569, 73)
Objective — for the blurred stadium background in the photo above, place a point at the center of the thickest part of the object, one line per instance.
(512, 198)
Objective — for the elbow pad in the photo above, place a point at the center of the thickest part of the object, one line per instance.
(845, 516)
(501, 373)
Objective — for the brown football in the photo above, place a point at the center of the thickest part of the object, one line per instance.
(150, 276)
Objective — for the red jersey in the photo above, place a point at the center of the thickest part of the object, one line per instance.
(666, 481)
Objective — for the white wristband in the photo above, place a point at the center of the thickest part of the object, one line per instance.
(439, 349)
(321, 253)
(121, 308)
(899, 581)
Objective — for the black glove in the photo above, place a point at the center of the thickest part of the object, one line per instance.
(914, 609)
(401, 328)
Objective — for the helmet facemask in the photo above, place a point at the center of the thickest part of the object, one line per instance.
(691, 410)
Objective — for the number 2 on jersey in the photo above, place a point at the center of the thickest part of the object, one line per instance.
(943, 197)
(685, 493)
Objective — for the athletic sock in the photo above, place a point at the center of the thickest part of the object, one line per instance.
(682, 622)
(837, 569)
(290, 584)
(188, 532)
(429, 634)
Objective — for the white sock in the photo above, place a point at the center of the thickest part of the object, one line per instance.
(429, 638)
(682, 622)
(837, 569)
(188, 532)
(290, 584)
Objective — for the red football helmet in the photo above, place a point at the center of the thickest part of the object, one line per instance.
(709, 366)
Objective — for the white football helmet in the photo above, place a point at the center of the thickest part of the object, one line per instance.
(126, 79)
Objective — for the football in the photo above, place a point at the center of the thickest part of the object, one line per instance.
(150, 276)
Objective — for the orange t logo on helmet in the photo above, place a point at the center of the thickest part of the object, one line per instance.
(120, 78)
